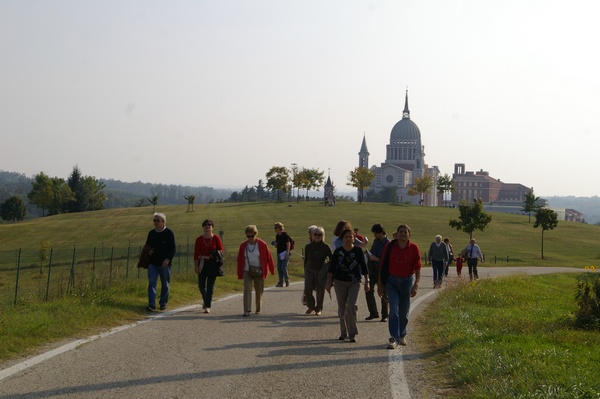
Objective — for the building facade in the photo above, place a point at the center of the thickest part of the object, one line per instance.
(405, 161)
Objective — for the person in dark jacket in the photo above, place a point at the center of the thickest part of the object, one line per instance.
(162, 241)
(347, 267)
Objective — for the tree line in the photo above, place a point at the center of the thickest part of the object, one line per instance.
(41, 195)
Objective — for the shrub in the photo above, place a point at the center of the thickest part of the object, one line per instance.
(588, 299)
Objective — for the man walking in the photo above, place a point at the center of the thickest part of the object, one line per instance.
(473, 255)
(374, 256)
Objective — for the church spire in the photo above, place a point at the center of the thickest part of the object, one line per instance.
(363, 147)
(406, 112)
(363, 155)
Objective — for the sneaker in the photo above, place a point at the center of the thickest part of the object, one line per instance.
(150, 308)
(371, 317)
(206, 310)
(342, 337)
(393, 344)
(402, 341)
(257, 312)
(246, 314)
(287, 283)
(279, 285)
(318, 313)
(310, 310)
(384, 320)
(352, 339)
(163, 307)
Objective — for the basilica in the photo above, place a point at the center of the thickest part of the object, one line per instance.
(405, 161)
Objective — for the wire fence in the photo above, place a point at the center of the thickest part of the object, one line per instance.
(28, 276)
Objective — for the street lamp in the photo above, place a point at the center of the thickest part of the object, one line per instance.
(294, 168)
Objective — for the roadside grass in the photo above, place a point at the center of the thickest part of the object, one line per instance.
(511, 337)
(33, 323)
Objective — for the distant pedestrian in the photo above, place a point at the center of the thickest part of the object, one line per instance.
(317, 255)
(450, 255)
(400, 274)
(283, 242)
(459, 263)
(254, 262)
(374, 257)
(205, 266)
(473, 254)
(347, 267)
(438, 257)
(162, 241)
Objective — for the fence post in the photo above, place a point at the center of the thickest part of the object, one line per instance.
(506, 258)
(112, 252)
(127, 264)
(18, 271)
(94, 268)
(71, 284)
(49, 270)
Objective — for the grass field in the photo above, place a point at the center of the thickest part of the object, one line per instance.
(34, 323)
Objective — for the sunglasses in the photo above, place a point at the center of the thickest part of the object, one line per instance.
(207, 225)
(157, 220)
(317, 234)
(247, 236)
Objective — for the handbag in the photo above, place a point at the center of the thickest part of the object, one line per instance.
(255, 271)
(215, 263)
(144, 260)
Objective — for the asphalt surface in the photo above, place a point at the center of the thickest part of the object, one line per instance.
(184, 353)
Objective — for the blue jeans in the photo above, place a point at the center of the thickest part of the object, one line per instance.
(165, 282)
(282, 270)
(398, 291)
(438, 271)
(206, 284)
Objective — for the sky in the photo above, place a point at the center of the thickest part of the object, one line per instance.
(215, 93)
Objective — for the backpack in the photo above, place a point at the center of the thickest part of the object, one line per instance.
(292, 242)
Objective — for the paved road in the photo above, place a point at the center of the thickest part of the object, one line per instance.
(187, 354)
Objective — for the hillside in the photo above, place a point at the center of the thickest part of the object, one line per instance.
(508, 236)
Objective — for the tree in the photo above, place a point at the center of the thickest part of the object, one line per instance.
(190, 199)
(530, 204)
(360, 178)
(13, 209)
(154, 202)
(41, 194)
(471, 217)
(547, 219)
(445, 184)
(310, 179)
(421, 186)
(277, 179)
(62, 195)
(261, 193)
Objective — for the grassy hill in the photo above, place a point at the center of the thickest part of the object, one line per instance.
(570, 244)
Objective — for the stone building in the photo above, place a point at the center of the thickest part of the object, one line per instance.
(405, 161)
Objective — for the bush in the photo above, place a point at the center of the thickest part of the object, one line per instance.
(588, 299)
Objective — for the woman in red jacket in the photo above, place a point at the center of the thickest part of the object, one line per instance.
(254, 261)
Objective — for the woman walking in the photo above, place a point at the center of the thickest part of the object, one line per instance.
(347, 267)
(254, 261)
(316, 255)
(205, 267)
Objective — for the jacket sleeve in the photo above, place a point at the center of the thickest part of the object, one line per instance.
(241, 260)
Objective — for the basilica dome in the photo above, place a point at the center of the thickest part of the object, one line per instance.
(405, 130)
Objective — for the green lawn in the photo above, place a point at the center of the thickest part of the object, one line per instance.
(529, 326)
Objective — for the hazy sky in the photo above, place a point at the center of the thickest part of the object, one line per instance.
(217, 92)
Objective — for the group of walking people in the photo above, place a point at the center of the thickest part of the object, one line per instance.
(394, 266)
(441, 256)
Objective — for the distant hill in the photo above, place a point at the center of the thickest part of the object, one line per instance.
(120, 194)
(589, 206)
